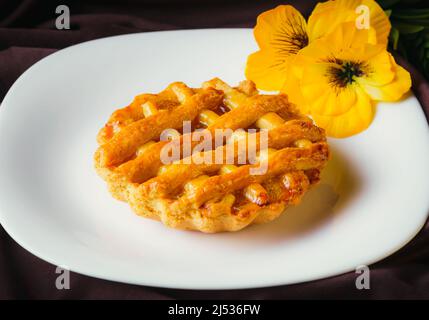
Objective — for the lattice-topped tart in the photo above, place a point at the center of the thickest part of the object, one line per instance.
(152, 155)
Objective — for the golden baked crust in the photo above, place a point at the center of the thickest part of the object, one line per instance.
(210, 197)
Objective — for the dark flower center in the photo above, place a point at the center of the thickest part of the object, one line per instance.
(291, 37)
(345, 72)
(296, 42)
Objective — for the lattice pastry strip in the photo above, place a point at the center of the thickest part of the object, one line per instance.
(125, 143)
(287, 135)
(213, 196)
(233, 99)
(142, 168)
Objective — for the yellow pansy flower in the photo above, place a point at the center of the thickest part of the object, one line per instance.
(336, 78)
(282, 32)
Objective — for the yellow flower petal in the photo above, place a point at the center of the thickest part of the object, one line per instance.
(327, 16)
(266, 69)
(282, 29)
(379, 71)
(379, 21)
(346, 42)
(357, 119)
(292, 87)
(322, 95)
(391, 91)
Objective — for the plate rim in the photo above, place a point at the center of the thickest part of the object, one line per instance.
(168, 283)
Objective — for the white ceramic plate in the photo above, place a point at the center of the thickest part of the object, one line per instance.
(372, 200)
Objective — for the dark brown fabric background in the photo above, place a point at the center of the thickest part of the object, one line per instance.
(27, 34)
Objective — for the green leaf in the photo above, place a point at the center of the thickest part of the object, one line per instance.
(409, 35)
(401, 15)
(421, 55)
(412, 11)
(394, 37)
(418, 41)
(408, 2)
(402, 50)
(420, 13)
(412, 36)
(420, 22)
(385, 4)
(405, 28)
